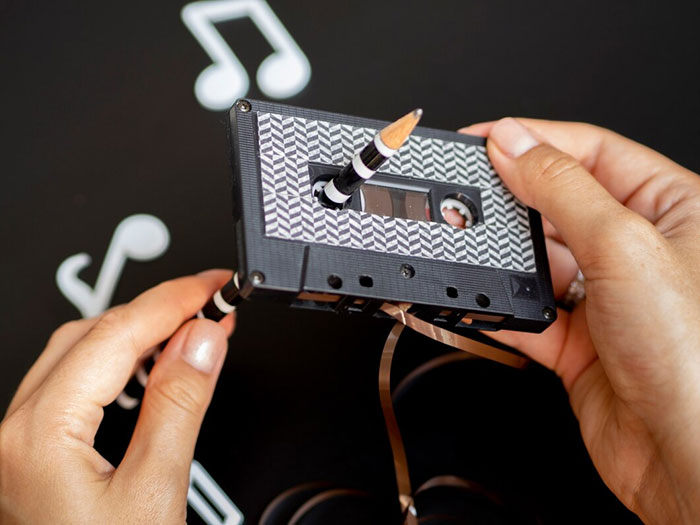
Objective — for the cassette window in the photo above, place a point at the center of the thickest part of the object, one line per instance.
(392, 201)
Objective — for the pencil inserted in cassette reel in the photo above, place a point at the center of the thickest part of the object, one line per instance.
(390, 241)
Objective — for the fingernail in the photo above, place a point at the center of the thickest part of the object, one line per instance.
(512, 137)
(205, 343)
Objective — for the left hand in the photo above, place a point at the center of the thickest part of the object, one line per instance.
(49, 470)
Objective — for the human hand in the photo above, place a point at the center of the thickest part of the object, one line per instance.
(629, 354)
(49, 470)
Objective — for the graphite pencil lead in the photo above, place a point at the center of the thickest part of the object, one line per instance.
(394, 135)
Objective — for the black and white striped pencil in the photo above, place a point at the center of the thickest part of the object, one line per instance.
(366, 162)
(223, 302)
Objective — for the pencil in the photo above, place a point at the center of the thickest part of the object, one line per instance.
(366, 162)
(223, 302)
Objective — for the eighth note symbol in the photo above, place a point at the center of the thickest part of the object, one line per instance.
(281, 75)
(140, 237)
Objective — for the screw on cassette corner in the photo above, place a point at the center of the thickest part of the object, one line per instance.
(243, 105)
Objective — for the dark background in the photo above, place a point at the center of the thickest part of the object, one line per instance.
(99, 121)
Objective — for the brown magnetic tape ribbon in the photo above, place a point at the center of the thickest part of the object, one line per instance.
(403, 318)
(321, 498)
(403, 480)
(459, 342)
(449, 480)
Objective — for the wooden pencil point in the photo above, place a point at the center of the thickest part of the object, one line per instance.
(365, 163)
(394, 135)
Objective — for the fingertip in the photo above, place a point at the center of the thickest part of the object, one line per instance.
(210, 271)
(507, 169)
(216, 274)
(480, 129)
(512, 137)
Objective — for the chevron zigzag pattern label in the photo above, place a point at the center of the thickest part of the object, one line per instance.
(502, 239)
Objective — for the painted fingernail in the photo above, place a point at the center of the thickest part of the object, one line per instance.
(512, 137)
(205, 343)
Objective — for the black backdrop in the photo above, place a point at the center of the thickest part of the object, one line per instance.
(100, 121)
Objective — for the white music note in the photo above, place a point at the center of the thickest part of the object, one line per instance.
(282, 74)
(209, 501)
(140, 237)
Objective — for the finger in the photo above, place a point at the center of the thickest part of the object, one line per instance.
(177, 395)
(562, 266)
(482, 129)
(95, 370)
(62, 340)
(59, 343)
(550, 231)
(590, 220)
(454, 218)
(565, 347)
(642, 179)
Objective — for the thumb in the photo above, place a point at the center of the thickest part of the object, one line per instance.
(178, 392)
(586, 215)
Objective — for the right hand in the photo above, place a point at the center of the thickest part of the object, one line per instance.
(629, 354)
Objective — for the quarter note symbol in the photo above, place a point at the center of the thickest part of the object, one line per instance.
(282, 74)
(139, 237)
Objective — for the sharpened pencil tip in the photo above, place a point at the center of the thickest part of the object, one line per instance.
(397, 132)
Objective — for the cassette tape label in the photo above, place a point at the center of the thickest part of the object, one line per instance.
(501, 238)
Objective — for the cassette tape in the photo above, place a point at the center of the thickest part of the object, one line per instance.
(391, 242)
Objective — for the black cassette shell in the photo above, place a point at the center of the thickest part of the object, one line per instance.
(356, 280)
